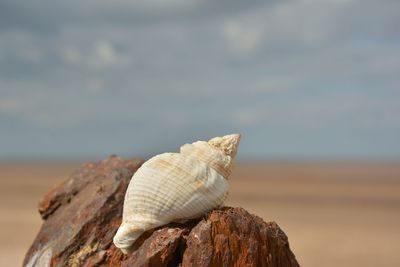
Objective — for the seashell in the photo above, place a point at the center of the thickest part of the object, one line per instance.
(174, 187)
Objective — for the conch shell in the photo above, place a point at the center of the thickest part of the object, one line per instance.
(174, 187)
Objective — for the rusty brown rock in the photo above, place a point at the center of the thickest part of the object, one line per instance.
(159, 249)
(64, 192)
(234, 237)
(83, 213)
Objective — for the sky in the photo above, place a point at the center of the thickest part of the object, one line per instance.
(299, 79)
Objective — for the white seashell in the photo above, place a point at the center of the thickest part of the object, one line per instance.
(173, 187)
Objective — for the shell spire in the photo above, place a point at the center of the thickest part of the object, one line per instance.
(227, 144)
(219, 152)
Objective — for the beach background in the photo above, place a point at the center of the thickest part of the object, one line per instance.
(334, 213)
(312, 86)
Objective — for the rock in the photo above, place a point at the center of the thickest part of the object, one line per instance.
(233, 237)
(82, 214)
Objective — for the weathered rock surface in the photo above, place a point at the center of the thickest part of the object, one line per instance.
(82, 214)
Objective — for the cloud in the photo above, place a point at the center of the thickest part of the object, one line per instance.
(105, 54)
(333, 110)
(242, 38)
(9, 105)
(94, 69)
(71, 55)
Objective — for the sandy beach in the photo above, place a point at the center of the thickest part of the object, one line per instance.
(335, 214)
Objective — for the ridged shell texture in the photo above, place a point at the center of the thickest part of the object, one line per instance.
(174, 187)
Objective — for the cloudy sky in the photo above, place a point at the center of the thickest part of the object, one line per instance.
(304, 79)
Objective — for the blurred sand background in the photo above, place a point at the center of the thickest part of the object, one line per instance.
(335, 213)
(298, 79)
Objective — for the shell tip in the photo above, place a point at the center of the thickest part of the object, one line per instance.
(228, 143)
(126, 236)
